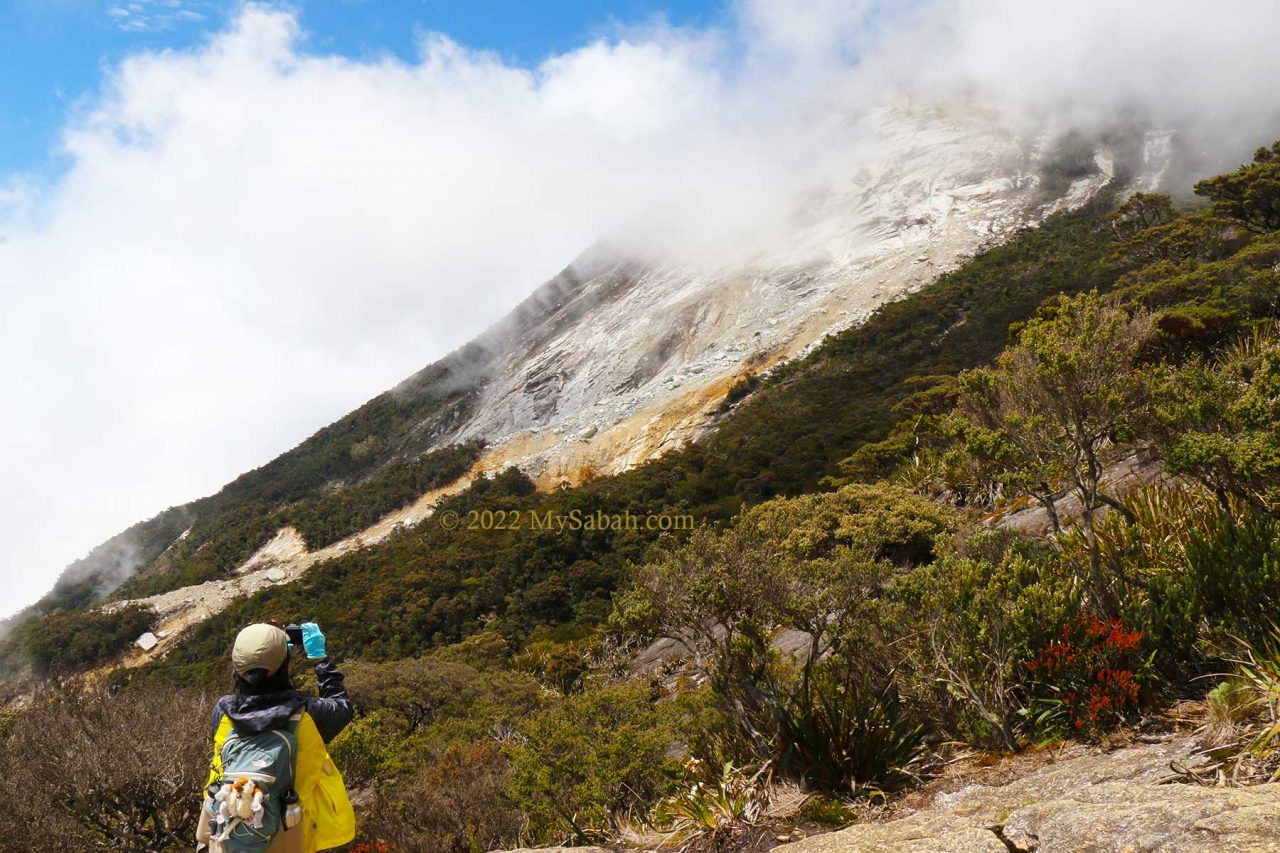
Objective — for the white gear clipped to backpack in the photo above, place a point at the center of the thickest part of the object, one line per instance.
(254, 800)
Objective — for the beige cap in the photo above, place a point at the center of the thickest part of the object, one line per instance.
(260, 646)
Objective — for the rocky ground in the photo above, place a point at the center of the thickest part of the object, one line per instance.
(1142, 797)
(1132, 799)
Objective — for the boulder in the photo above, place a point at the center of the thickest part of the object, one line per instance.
(1110, 802)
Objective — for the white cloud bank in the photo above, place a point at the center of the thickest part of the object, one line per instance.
(253, 239)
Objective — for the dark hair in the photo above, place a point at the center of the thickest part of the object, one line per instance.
(257, 682)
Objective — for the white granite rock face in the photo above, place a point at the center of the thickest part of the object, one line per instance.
(1103, 803)
(633, 360)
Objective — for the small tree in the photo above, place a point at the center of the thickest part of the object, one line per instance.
(1140, 212)
(1219, 421)
(1041, 418)
(1251, 194)
(815, 564)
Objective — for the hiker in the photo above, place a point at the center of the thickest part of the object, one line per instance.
(272, 786)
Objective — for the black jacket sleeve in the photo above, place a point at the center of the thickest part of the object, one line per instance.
(219, 708)
(331, 710)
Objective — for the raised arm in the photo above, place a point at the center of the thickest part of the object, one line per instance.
(331, 710)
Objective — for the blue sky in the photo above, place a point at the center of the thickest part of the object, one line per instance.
(53, 52)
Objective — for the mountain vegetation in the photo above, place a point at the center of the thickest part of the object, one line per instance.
(850, 599)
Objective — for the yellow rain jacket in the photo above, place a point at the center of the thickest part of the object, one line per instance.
(327, 817)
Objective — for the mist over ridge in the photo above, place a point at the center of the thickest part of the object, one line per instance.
(254, 237)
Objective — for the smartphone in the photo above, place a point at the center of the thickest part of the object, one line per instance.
(295, 635)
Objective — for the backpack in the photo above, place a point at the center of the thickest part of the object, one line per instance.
(248, 802)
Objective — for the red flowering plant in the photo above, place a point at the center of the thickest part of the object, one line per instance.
(1088, 680)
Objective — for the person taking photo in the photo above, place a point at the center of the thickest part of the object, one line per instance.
(273, 788)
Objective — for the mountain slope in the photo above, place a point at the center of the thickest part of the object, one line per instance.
(481, 661)
(619, 360)
(432, 585)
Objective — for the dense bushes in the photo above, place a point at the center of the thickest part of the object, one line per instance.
(1218, 420)
(591, 757)
(411, 711)
(94, 771)
(986, 607)
(1234, 575)
(453, 805)
(67, 642)
(323, 521)
(431, 586)
(460, 757)
(817, 565)
(221, 540)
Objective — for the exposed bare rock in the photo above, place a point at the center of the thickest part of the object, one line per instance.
(285, 547)
(1146, 764)
(1132, 472)
(919, 833)
(284, 558)
(1119, 816)
(622, 358)
(555, 850)
(1089, 804)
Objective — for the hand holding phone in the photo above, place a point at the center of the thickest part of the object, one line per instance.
(313, 641)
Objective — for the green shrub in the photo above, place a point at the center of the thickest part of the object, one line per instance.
(594, 755)
(1197, 572)
(1234, 575)
(1218, 421)
(370, 747)
(410, 711)
(847, 733)
(985, 607)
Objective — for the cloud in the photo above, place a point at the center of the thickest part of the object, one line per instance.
(252, 239)
(151, 16)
